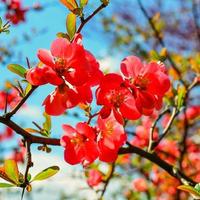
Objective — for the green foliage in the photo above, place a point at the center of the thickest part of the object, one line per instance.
(17, 69)
(46, 173)
(6, 185)
(11, 170)
(71, 25)
(193, 191)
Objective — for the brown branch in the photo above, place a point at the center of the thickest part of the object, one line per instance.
(153, 126)
(19, 105)
(183, 145)
(167, 128)
(131, 149)
(196, 17)
(158, 161)
(106, 182)
(84, 21)
(161, 41)
(27, 136)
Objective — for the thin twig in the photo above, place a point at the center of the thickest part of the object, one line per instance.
(161, 41)
(196, 17)
(167, 128)
(106, 182)
(153, 127)
(19, 105)
(84, 21)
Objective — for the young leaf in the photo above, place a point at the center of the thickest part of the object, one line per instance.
(70, 4)
(1, 22)
(83, 3)
(6, 185)
(46, 173)
(197, 187)
(193, 192)
(71, 24)
(47, 123)
(11, 170)
(27, 89)
(32, 130)
(17, 69)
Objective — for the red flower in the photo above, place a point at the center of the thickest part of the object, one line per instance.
(113, 95)
(61, 99)
(79, 144)
(68, 60)
(140, 185)
(141, 138)
(148, 83)
(69, 66)
(6, 135)
(94, 178)
(193, 112)
(12, 96)
(111, 137)
(15, 13)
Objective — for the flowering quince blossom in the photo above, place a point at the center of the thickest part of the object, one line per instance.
(94, 177)
(69, 67)
(12, 96)
(114, 96)
(110, 138)
(141, 138)
(15, 12)
(140, 185)
(80, 145)
(148, 83)
(84, 144)
(7, 134)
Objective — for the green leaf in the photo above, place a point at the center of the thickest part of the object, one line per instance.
(11, 170)
(71, 24)
(1, 22)
(32, 130)
(197, 187)
(6, 185)
(193, 192)
(47, 123)
(27, 89)
(46, 173)
(17, 69)
(181, 96)
(83, 3)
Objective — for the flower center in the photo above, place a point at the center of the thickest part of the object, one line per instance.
(116, 98)
(141, 82)
(60, 65)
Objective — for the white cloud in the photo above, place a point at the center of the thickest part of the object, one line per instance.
(30, 111)
(68, 181)
(109, 63)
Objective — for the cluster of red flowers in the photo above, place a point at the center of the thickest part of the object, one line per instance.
(10, 97)
(15, 12)
(74, 71)
(7, 134)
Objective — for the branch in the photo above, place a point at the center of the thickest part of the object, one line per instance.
(110, 174)
(160, 40)
(27, 136)
(158, 161)
(196, 17)
(167, 128)
(153, 128)
(19, 105)
(183, 145)
(131, 149)
(84, 21)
